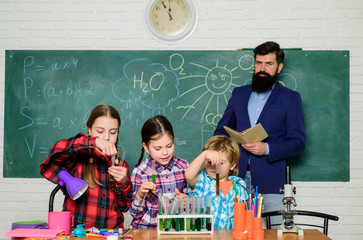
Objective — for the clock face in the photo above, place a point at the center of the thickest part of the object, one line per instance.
(170, 17)
(171, 21)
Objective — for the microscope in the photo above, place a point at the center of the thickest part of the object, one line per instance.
(288, 224)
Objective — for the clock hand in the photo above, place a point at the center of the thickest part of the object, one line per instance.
(171, 18)
(163, 4)
(169, 12)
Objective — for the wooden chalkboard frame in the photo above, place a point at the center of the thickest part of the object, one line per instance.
(49, 93)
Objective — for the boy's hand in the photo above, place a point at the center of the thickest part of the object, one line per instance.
(214, 157)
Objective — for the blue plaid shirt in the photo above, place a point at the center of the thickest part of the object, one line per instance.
(222, 207)
(168, 178)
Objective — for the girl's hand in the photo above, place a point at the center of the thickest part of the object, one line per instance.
(179, 194)
(144, 189)
(106, 147)
(119, 173)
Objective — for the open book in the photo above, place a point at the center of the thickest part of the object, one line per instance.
(253, 134)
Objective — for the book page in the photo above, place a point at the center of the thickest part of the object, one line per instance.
(253, 134)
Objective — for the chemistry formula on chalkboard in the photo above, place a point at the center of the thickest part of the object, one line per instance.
(50, 93)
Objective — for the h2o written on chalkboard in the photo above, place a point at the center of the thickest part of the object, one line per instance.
(49, 95)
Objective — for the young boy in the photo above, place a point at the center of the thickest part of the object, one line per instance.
(223, 153)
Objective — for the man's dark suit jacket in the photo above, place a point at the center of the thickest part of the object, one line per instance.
(283, 119)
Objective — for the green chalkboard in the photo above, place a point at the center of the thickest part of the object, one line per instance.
(49, 95)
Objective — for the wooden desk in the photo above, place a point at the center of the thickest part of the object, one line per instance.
(270, 234)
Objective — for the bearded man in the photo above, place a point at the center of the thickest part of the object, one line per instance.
(279, 110)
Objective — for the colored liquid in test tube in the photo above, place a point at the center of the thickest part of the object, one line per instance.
(116, 162)
(153, 174)
(172, 211)
(217, 179)
(182, 212)
(161, 209)
(202, 211)
(176, 212)
(199, 209)
(208, 222)
(187, 211)
(194, 207)
(166, 211)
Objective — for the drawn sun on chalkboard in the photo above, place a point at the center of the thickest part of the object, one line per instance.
(213, 92)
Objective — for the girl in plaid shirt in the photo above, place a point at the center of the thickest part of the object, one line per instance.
(158, 141)
(89, 158)
(222, 151)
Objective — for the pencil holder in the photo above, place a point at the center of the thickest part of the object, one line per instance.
(257, 223)
(258, 232)
(249, 223)
(239, 231)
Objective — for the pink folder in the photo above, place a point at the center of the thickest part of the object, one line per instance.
(26, 232)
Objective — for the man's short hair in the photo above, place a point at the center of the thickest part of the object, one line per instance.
(270, 47)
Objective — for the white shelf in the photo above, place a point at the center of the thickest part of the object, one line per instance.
(185, 217)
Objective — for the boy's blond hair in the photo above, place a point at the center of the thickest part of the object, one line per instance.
(222, 143)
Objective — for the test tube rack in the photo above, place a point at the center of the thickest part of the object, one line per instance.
(185, 217)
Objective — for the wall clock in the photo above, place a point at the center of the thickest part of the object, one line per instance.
(171, 21)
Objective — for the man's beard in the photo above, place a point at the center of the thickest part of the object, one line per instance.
(262, 81)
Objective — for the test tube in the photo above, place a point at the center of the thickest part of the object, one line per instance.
(202, 211)
(182, 212)
(194, 207)
(166, 212)
(217, 179)
(187, 210)
(112, 164)
(115, 162)
(153, 174)
(170, 220)
(198, 211)
(160, 205)
(123, 155)
(208, 203)
(176, 212)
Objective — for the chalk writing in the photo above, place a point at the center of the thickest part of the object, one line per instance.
(49, 95)
(29, 65)
(143, 82)
(56, 122)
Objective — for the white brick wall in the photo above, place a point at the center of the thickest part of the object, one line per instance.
(223, 24)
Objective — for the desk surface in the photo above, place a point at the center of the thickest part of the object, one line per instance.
(270, 234)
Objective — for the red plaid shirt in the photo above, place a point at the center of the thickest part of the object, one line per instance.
(99, 207)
